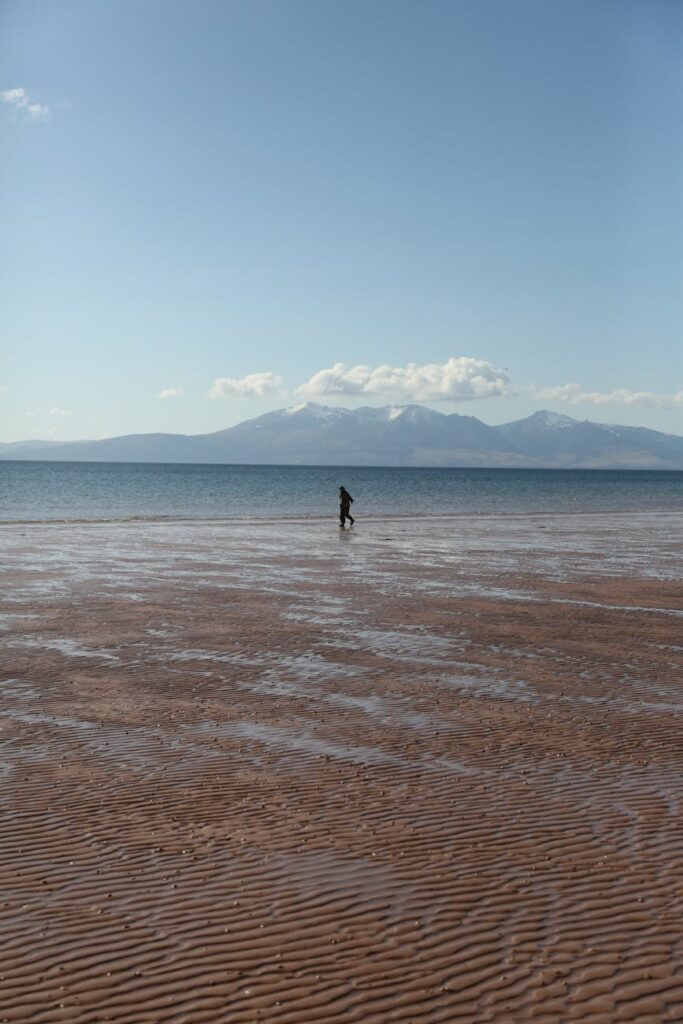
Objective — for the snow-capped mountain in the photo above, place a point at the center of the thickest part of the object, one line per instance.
(392, 435)
(557, 440)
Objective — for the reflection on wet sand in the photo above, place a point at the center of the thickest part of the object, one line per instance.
(429, 774)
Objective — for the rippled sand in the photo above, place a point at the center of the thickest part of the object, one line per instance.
(417, 771)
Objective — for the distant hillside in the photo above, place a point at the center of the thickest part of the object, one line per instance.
(409, 435)
(554, 440)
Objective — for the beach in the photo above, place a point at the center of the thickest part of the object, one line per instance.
(421, 770)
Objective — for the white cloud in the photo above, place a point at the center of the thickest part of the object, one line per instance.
(15, 97)
(459, 379)
(574, 395)
(23, 105)
(171, 393)
(42, 413)
(254, 385)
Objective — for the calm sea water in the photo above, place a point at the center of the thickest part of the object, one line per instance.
(106, 490)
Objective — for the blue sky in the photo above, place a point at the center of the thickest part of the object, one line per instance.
(475, 204)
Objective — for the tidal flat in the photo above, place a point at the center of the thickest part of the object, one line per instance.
(421, 770)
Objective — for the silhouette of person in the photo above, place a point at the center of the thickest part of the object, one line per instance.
(345, 500)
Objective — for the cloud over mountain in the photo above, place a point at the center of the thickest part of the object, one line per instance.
(254, 385)
(460, 378)
(573, 394)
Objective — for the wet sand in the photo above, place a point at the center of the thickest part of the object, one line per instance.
(420, 771)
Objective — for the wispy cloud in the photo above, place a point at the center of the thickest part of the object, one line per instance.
(55, 410)
(573, 394)
(254, 385)
(23, 106)
(171, 393)
(461, 378)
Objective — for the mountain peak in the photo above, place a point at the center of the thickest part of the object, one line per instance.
(552, 419)
(292, 410)
(412, 412)
(320, 412)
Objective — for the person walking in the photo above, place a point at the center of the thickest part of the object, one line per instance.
(345, 500)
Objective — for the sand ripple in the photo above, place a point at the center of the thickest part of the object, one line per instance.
(329, 780)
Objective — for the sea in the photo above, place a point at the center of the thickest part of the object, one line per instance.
(43, 491)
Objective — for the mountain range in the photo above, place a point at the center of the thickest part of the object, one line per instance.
(408, 435)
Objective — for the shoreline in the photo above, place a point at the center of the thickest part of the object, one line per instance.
(368, 517)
